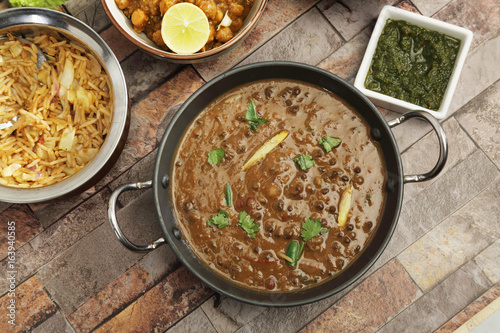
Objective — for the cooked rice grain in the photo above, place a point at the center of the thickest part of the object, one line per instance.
(66, 111)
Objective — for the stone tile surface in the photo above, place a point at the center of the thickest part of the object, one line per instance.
(31, 305)
(142, 72)
(480, 119)
(197, 321)
(90, 12)
(97, 259)
(454, 241)
(483, 23)
(48, 213)
(4, 205)
(125, 289)
(56, 323)
(440, 199)
(278, 14)
(319, 41)
(350, 17)
(431, 310)
(436, 272)
(119, 44)
(430, 7)
(369, 305)
(148, 114)
(488, 261)
(423, 155)
(17, 226)
(162, 306)
(59, 237)
(227, 315)
(478, 72)
(345, 61)
(471, 310)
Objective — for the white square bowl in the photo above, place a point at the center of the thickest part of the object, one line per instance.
(391, 103)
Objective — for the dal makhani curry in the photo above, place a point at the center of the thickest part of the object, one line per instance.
(277, 185)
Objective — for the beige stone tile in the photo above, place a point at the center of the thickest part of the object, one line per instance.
(478, 73)
(423, 155)
(350, 17)
(434, 308)
(196, 321)
(319, 40)
(488, 260)
(369, 305)
(346, 60)
(439, 200)
(480, 118)
(454, 241)
(430, 7)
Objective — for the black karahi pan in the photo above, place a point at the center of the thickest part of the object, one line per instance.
(380, 131)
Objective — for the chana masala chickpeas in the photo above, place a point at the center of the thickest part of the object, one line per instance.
(146, 16)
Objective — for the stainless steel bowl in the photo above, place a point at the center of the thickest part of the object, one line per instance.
(33, 21)
(124, 25)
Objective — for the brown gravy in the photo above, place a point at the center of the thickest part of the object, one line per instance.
(275, 192)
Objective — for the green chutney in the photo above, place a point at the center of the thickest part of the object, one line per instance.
(412, 63)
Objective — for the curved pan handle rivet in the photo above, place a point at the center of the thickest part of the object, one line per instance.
(114, 223)
(443, 144)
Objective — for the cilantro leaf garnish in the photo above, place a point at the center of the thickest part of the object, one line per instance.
(221, 219)
(329, 143)
(215, 156)
(304, 161)
(251, 115)
(248, 224)
(311, 228)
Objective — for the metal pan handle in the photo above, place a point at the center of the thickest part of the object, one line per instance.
(114, 223)
(443, 144)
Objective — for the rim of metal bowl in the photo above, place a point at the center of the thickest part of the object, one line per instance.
(38, 19)
(123, 24)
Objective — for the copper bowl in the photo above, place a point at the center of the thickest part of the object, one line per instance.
(124, 25)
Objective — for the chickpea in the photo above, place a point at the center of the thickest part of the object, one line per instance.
(218, 16)
(122, 4)
(224, 34)
(236, 10)
(158, 39)
(209, 8)
(139, 20)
